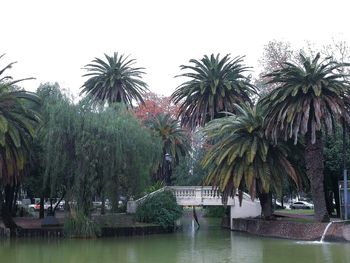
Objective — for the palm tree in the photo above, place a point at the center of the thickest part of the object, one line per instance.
(115, 80)
(214, 85)
(310, 97)
(175, 142)
(243, 158)
(18, 122)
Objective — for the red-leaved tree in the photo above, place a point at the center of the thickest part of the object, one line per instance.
(153, 105)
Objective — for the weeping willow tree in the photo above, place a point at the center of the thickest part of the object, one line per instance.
(115, 154)
(56, 139)
(93, 151)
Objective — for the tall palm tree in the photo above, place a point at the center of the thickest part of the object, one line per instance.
(114, 80)
(243, 158)
(175, 141)
(310, 97)
(18, 122)
(19, 119)
(214, 85)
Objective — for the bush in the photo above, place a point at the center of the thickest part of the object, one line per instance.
(160, 208)
(81, 226)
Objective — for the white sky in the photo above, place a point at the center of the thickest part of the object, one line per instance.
(53, 40)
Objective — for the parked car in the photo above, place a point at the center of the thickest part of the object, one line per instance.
(36, 207)
(60, 205)
(98, 204)
(301, 205)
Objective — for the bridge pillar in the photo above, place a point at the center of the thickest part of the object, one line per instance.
(248, 210)
(131, 206)
(198, 196)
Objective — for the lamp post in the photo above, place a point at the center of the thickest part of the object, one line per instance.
(168, 160)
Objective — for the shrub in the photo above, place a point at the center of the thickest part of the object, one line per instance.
(81, 226)
(160, 208)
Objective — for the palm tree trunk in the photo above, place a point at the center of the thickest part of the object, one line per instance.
(41, 209)
(314, 171)
(7, 207)
(282, 201)
(103, 205)
(266, 205)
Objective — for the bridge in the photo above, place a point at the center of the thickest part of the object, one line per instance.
(206, 196)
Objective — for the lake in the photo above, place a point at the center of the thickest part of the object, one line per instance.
(209, 244)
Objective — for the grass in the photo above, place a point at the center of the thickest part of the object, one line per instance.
(297, 211)
(299, 220)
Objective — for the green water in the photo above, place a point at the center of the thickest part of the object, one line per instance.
(210, 244)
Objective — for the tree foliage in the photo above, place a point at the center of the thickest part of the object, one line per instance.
(242, 157)
(90, 149)
(19, 119)
(275, 54)
(214, 85)
(190, 171)
(114, 80)
(161, 209)
(154, 105)
(309, 97)
(175, 142)
(18, 123)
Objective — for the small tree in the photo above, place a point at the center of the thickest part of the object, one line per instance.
(161, 209)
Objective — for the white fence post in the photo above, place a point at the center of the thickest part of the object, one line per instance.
(198, 195)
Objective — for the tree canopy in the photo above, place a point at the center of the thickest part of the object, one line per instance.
(114, 80)
(90, 149)
(243, 158)
(214, 84)
(19, 119)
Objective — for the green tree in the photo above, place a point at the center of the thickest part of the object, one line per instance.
(92, 150)
(124, 152)
(214, 85)
(114, 80)
(243, 158)
(18, 123)
(57, 139)
(175, 144)
(333, 168)
(190, 171)
(310, 97)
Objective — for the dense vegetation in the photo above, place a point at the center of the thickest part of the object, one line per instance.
(103, 151)
(160, 208)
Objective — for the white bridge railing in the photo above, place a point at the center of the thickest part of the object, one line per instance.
(202, 195)
(197, 196)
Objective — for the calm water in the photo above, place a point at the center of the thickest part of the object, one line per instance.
(210, 244)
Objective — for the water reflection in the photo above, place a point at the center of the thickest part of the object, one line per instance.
(209, 244)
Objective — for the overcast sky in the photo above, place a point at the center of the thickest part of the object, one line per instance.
(53, 40)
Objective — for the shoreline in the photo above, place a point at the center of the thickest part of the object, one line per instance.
(310, 231)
